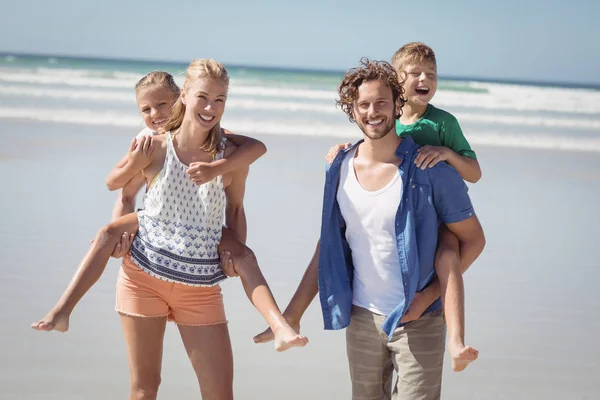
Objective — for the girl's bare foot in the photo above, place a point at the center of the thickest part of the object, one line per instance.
(53, 321)
(286, 337)
(461, 355)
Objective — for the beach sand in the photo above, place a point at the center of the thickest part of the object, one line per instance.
(532, 305)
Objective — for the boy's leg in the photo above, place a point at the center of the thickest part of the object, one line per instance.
(370, 362)
(89, 271)
(447, 267)
(258, 291)
(418, 355)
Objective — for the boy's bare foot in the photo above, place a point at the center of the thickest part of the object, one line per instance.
(461, 355)
(53, 321)
(286, 337)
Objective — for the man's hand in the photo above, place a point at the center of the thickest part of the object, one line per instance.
(202, 172)
(418, 306)
(140, 152)
(227, 264)
(431, 155)
(122, 248)
(267, 335)
(334, 150)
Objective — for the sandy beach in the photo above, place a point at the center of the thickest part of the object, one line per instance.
(532, 307)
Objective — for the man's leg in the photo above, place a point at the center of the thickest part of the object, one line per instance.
(418, 355)
(369, 359)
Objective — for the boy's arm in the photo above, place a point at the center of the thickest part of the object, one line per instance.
(334, 150)
(235, 215)
(248, 151)
(138, 156)
(455, 150)
(467, 167)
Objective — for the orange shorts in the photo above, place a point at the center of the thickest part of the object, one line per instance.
(139, 294)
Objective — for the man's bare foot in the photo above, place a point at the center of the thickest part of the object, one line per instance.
(461, 355)
(286, 337)
(53, 321)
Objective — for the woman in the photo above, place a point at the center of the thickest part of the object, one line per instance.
(173, 269)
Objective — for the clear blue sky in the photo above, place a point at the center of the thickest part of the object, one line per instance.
(543, 40)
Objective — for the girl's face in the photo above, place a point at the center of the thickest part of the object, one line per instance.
(155, 103)
(205, 102)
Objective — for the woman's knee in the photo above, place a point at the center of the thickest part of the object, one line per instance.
(146, 387)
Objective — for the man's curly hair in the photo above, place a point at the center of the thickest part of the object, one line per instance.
(367, 71)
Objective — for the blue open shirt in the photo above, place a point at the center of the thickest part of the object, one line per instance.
(429, 196)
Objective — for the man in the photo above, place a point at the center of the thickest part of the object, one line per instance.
(378, 242)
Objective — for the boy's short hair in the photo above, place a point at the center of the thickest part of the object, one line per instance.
(413, 53)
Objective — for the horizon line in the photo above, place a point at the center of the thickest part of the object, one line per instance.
(571, 85)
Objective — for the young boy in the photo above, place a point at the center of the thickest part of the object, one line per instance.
(441, 138)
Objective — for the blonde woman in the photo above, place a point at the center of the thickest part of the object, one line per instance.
(173, 270)
(156, 94)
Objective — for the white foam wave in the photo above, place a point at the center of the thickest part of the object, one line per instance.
(496, 96)
(320, 107)
(523, 98)
(71, 116)
(301, 128)
(69, 77)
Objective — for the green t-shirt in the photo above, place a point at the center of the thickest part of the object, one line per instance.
(437, 128)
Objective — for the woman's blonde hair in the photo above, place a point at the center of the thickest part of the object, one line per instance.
(198, 69)
(158, 78)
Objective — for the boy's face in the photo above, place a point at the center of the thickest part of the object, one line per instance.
(420, 82)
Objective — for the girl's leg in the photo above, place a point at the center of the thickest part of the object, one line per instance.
(144, 340)
(258, 292)
(209, 349)
(448, 269)
(89, 271)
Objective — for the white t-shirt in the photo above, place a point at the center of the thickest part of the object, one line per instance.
(370, 232)
(145, 132)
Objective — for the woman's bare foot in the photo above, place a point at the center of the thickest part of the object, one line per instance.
(53, 321)
(461, 355)
(286, 337)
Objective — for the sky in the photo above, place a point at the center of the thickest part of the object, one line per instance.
(533, 40)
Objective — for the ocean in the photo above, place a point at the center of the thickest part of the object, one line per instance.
(531, 304)
(296, 102)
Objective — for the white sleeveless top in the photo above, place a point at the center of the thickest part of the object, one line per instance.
(371, 233)
(180, 226)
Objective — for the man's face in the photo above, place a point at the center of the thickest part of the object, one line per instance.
(374, 109)
(420, 82)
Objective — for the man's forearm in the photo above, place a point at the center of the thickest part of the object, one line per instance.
(236, 221)
(307, 290)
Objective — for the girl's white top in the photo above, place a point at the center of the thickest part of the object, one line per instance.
(180, 226)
